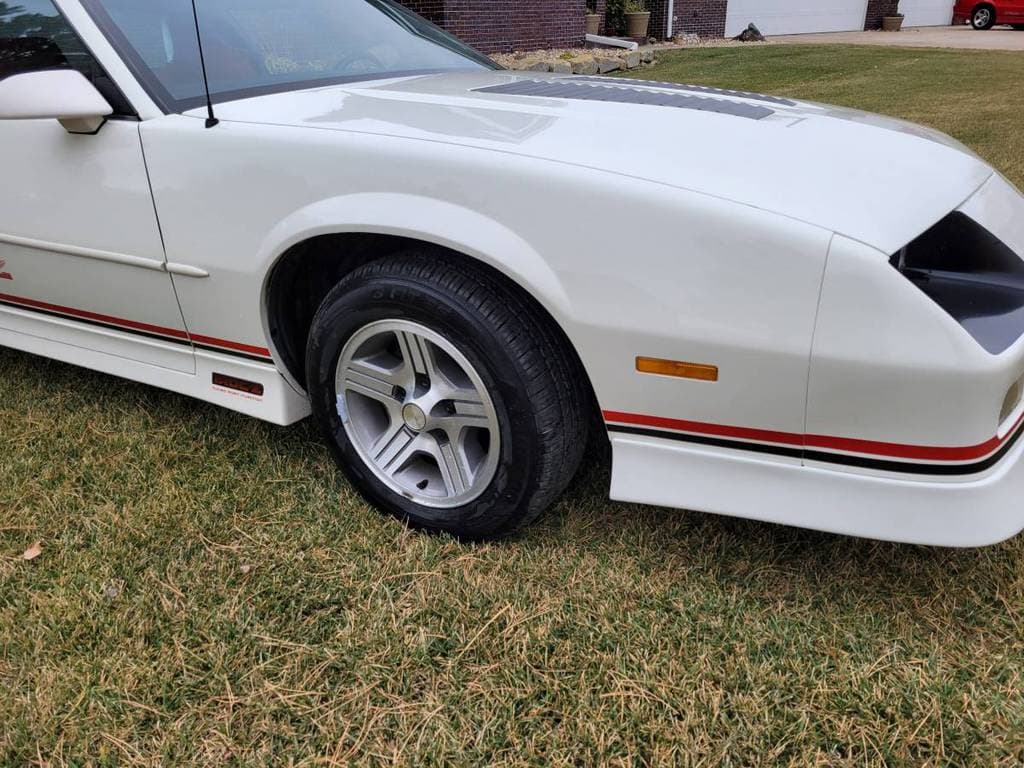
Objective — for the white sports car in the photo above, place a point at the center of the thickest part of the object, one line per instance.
(331, 206)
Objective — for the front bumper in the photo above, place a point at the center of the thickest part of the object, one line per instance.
(983, 510)
(913, 430)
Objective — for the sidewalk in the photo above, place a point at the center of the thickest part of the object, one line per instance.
(997, 39)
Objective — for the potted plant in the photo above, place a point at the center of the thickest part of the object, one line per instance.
(638, 18)
(893, 22)
(593, 18)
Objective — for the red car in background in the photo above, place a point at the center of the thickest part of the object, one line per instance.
(985, 14)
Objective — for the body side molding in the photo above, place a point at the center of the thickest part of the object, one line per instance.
(100, 255)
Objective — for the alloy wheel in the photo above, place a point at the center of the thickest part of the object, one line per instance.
(418, 413)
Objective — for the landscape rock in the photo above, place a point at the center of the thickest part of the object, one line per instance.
(584, 66)
(577, 61)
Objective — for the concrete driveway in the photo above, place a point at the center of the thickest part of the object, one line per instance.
(996, 39)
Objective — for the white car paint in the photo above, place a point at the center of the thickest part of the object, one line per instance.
(760, 246)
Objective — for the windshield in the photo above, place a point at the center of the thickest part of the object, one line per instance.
(253, 47)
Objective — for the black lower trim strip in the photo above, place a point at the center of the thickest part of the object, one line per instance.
(881, 465)
(717, 442)
(934, 470)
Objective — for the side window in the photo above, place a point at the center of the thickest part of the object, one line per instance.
(35, 36)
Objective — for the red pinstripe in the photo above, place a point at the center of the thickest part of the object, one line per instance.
(174, 333)
(845, 444)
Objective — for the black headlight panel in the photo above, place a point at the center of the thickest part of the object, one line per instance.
(975, 277)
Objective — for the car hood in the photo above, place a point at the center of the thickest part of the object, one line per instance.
(878, 180)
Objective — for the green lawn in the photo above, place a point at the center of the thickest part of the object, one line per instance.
(211, 591)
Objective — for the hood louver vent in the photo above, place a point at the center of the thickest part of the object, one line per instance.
(624, 94)
(749, 96)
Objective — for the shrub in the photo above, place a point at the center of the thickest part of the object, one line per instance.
(615, 17)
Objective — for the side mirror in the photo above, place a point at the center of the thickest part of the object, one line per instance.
(58, 94)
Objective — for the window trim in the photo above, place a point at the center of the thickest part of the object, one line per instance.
(169, 105)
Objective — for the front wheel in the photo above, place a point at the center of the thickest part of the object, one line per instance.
(1018, 27)
(448, 400)
(983, 17)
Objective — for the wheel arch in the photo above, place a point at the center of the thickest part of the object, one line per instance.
(316, 247)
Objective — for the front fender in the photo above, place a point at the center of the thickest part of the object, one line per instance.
(425, 219)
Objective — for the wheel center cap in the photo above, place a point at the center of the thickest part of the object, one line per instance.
(414, 417)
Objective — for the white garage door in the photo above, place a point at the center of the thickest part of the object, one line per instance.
(927, 13)
(790, 17)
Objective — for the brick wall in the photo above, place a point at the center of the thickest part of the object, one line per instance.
(876, 10)
(499, 26)
(701, 17)
(428, 9)
(494, 26)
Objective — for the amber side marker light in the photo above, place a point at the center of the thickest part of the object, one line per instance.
(677, 368)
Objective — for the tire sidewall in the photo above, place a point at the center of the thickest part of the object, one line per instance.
(356, 303)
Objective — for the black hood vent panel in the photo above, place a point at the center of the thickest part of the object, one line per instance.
(623, 93)
(706, 89)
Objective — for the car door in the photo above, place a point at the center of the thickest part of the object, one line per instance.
(83, 260)
(1011, 12)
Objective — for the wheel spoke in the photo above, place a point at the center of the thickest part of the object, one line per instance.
(454, 469)
(371, 381)
(416, 353)
(395, 449)
(468, 411)
(454, 425)
(469, 404)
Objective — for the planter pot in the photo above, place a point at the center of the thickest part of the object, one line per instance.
(593, 23)
(892, 23)
(637, 24)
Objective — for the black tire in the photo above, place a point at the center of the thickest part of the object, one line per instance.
(533, 379)
(983, 16)
(1018, 27)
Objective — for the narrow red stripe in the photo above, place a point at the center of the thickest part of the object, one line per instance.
(849, 445)
(237, 346)
(700, 428)
(175, 333)
(898, 450)
(96, 317)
